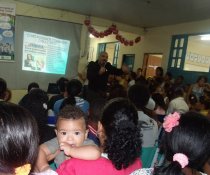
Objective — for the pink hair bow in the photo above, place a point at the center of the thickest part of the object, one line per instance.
(182, 159)
(171, 121)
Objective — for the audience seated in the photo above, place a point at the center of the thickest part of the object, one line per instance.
(177, 102)
(61, 83)
(120, 138)
(31, 86)
(36, 102)
(72, 92)
(198, 88)
(139, 96)
(160, 109)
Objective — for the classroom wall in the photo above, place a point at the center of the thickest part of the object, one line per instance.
(158, 39)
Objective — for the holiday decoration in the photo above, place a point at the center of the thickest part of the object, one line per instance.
(110, 30)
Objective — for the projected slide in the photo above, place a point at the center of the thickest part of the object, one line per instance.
(44, 53)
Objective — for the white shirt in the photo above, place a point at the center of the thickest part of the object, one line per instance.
(177, 105)
(149, 129)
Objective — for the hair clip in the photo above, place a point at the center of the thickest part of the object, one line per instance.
(23, 170)
(44, 105)
(171, 121)
(182, 159)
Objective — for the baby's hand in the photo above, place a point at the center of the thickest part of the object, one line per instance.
(66, 148)
(52, 156)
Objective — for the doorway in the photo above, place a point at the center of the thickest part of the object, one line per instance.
(150, 63)
(128, 59)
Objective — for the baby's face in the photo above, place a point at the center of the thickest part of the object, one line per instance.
(71, 131)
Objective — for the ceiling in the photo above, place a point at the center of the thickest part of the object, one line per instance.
(139, 13)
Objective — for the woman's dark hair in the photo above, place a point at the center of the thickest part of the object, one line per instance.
(18, 139)
(139, 95)
(159, 100)
(192, 99)
(61, 83)
(73, 88)
(95, 112)
(123, 138)
(191, 138)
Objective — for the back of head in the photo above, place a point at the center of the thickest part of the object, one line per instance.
(36, 102)
(123, 140)
(191, 138)
(159, 100)
(139, 95)
(159, 71)
(72, 113)
(3, 87)
(95, 109)
(117, 90)
(32, 85)
(61, 83)
(73, 88)
(18, 138)
(192, 99)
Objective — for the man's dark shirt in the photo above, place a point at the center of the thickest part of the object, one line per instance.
(99, 82)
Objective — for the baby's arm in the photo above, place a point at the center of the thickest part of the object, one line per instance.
(44, 156)
(85, 152)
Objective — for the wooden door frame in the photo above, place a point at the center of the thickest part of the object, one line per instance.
(145, 61)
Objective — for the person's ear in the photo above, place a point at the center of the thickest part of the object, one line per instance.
(56, 132)
(86, 133)
(100, 127)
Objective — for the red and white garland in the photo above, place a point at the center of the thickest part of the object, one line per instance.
(110, 30)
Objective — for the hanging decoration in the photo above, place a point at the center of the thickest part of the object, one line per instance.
(109, 31)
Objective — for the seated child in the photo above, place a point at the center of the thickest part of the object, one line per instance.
(71, 141)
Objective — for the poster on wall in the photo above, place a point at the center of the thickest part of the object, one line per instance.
(7, 31)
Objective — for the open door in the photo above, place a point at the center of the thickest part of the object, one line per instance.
(150, 63)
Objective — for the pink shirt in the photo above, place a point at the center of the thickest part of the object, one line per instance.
(101, 166)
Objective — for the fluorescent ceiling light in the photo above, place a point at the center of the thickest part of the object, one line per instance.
(205, 37)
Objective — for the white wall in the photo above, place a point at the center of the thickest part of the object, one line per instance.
(158, 39)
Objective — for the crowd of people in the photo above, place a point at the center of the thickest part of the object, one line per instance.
(106, 129)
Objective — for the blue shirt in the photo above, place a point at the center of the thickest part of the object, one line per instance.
(80, 102)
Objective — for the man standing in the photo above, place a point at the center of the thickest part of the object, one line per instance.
(98, 73)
